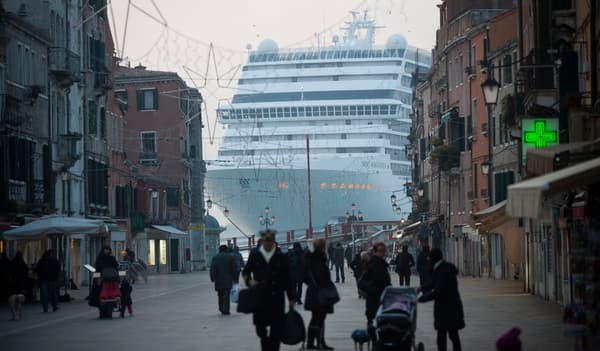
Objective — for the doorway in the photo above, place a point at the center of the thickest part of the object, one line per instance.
(174, 244)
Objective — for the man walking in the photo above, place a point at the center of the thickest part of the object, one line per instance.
(268, 271)
(48, 270)
(447, 307)
(224, 272)
(338, 261)
(297, 269)
(423, 265)
(404, 264)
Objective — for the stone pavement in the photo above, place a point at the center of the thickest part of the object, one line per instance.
(179, 312)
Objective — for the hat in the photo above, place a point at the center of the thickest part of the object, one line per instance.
(509, 341)
(267, 235)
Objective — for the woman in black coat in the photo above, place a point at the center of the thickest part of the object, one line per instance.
(447, 308)
(377, 274)
(317, 276)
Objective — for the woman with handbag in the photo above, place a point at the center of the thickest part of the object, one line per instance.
(320, 295)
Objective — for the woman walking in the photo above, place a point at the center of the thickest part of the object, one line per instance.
(317, 276)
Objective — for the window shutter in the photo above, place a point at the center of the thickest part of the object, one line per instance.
(139, 96)
(155, 92)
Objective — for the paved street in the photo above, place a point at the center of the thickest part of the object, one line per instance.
(178, 312)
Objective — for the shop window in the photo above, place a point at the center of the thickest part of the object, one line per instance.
(151, 253)
(163, 252)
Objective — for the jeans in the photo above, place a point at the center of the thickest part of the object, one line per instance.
(224, 296)
(404, 278)
(339, 268)
(45, 289)
(441, 340)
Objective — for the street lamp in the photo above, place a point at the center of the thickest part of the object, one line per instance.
(490, 93)
(266, 220)
(485, 167)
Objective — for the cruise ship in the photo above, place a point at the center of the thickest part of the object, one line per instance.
(343, 107)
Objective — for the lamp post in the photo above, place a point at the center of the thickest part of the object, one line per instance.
(490, 90)
(351, 218)
(265, 219)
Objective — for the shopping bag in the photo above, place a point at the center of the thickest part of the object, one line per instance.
(247, 300)
(294, 331)
(235, 293)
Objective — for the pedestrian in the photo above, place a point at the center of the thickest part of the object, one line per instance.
(126, 300)
(447, 307)
(338, 261)
(317, 276)
(376, 272)
(4, 276)
(404, 263)
(423, 265)
(267, 270)
(348, 255)
(224, 273)
(239, 261)
(48, 270)
(358, 265)
(19, 275)
(108, 267)
(330, 251)
(297, 269)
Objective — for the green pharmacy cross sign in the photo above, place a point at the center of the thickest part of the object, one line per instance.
(538, 133)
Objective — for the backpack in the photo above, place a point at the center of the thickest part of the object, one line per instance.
(293, 329)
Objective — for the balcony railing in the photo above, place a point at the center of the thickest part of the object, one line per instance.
(17, 190)
(66, 151)
(64, 64)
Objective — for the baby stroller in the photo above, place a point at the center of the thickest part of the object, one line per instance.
(396, 320)
(106, 294)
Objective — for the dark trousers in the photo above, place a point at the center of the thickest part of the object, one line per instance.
(317, 319)
(270, 339)
(298, 286)
(224, 296)
(404, 278)
(441, 340)
(48, 291)
(339, 268)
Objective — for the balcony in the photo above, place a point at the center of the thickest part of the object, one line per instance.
(102, 81)
(66, 150)
(64, 65)
(13, 115)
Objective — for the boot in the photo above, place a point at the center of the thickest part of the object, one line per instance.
(313, 333)
(321, 345)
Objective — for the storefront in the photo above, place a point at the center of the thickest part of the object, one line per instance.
(163, 247)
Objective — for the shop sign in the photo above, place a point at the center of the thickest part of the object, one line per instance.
(538, 133)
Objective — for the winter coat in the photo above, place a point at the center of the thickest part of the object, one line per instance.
(126, 290)
(443, 289)
(19, 274)
(316, 268)
(377, 271)
(357, 265)
(404, 262)
(106, 261)
(348, 255)
(423, 266)
(273, 281)
(297, 265)
(338, 256)
(48, 269)
(224, 270)
(239, 260)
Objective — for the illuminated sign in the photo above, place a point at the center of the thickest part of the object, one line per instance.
(538, 133)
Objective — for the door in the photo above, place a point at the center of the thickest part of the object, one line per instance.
(174, 254)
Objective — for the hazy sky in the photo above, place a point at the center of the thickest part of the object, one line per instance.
(176, 35)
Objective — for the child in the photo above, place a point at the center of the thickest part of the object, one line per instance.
(126, 297)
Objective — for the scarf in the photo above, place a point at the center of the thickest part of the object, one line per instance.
(266, 254)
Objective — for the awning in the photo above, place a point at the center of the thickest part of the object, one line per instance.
(409, 229)
(492, 216)
(541, 161)
(55, 224)
(169, 229)
(525, 198)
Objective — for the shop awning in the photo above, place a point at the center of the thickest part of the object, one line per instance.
(541, 161)
(55, 224)
(525, 198)
(411, 229)
(169, 229)
(492, 216)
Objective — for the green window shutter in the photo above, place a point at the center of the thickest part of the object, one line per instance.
(139, 96)
(92, 117)
(103, 123)
(155, 92)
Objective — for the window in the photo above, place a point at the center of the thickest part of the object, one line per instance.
(147, 99)
(450, 73)
(460, 70)
(507, 66)
(344, 136)
(148, 145)
(474, 115)
(151, 253)
(92, 117)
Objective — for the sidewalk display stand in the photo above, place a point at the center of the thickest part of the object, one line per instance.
(584, 260)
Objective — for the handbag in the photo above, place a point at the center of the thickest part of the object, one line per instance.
(247, 300)
(294, 331)
(326, 296)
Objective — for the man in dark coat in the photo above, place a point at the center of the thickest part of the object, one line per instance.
(48, 270)
(330, 251)
(423, 265)
(447, 308)
(377, 272)
(348, 255)
(338, 261)
(224, 273)
(19, 275)
(297, 268)
(239, 261)
(404, 263)
(267, 270)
